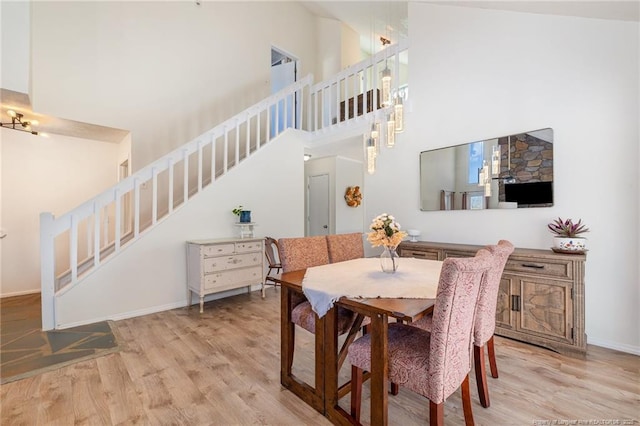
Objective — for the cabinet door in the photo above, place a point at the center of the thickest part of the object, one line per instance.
(544, 308)
(505, 316)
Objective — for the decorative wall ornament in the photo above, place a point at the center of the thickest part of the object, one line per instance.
(352, 196)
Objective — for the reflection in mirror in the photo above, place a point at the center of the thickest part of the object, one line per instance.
(513, 171)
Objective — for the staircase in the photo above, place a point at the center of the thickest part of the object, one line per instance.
(95, 232)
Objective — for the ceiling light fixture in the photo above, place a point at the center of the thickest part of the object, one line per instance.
(18, 122)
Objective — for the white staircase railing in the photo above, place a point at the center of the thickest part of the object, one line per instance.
(78, 242)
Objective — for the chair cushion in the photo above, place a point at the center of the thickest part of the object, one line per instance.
(408, 356)
(303, 316)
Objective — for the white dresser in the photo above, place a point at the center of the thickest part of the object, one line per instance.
(223, 264)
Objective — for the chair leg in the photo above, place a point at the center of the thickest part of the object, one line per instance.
(292, 345)
(481, 375)
(436, 414)
(356, 392)
(492, 358)
(395, 388)
(466, 402)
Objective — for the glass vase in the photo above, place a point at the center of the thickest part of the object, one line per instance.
(389, 260)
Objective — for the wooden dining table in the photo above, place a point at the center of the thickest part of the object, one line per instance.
(324, 394)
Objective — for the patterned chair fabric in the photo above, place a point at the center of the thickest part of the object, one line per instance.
(305, 252)
(487, 301)
(345, 247)
(435, 364)
(300, 253)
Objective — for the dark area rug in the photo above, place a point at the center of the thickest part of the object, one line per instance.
(26, 350)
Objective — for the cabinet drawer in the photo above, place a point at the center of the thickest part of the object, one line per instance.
(249, 246)
(218, 249)
(546, 267)
(237, 277)
(223, 263)
(420, 254)
(458, 253)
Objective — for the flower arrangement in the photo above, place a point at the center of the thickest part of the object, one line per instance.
(385, 231)
(566, 228)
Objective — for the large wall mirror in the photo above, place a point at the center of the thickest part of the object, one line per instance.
(514, 171)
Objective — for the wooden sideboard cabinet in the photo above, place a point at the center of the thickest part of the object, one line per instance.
(223, 264)
(541, 297)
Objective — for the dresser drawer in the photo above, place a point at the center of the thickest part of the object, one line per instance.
(541, 267)
(420, 254)
(215, 264)
(249, 246)
(238, 278)
(218, 249)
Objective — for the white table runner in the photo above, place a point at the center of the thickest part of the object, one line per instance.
(363, 278)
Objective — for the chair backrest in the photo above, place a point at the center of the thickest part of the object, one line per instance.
(303, 252)
(345, 247)
(453, 320)
(272, 254)
(488, 299)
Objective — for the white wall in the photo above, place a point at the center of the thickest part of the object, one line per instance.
(150, 275)
(15, 46)
(53, 174)
(167, 71)
(477, 74)
(348, 173)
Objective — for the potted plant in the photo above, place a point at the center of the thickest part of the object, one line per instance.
(243, 214)
(567, 235)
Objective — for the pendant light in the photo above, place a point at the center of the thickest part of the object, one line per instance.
(399, 115)
(391, 133)
(370, 153)
(385, 95)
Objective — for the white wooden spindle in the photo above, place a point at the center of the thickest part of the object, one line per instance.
(136, 207)
(258, 134)
(73, 248)
(185, 161)
(118, 219)
(199, 166)
(154, 195)
(237, 144)
(248, 143)
(96, 233)
(171, 182)
(213, 157)
(268, 132)
(225, 151)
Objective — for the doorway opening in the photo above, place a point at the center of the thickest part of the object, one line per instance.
(284, 72)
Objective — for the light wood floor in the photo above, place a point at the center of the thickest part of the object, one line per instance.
(222, 368)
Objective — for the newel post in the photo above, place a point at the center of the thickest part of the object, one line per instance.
(47, 271)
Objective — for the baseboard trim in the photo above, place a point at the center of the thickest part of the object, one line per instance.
(635, 350)
(124, 315)
(155, 309)
(19, 293)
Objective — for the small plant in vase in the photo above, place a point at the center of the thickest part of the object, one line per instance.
(567, 235)
(243, 214)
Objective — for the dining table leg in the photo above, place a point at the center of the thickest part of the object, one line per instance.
(379, 369)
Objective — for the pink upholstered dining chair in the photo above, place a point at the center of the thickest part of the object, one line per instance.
(345, 247)
(300, 253)
(433, 364)
(485, 323)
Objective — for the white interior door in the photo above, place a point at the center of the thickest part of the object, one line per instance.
(318, 194)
